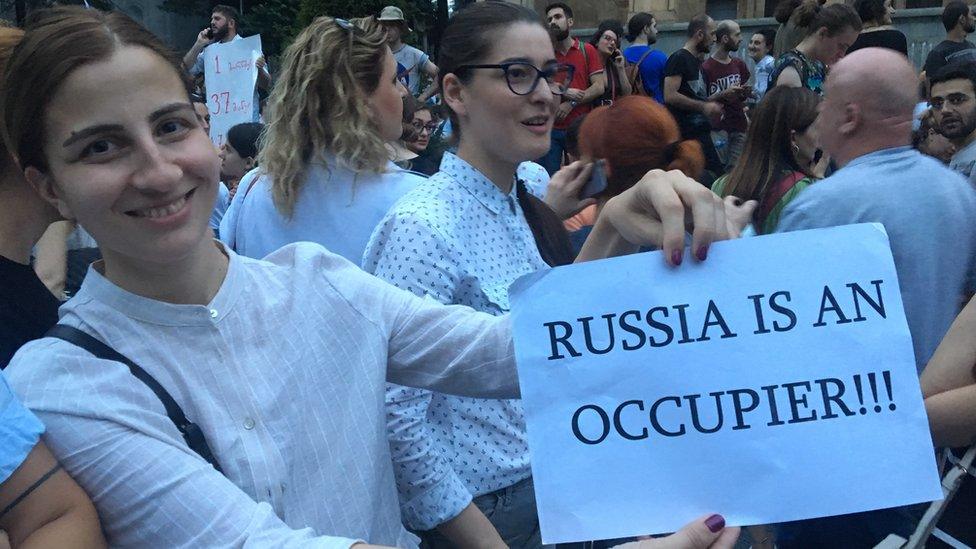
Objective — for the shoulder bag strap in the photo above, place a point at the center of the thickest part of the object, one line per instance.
(191, 432)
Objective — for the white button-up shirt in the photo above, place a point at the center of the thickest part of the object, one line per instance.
(460, 240)
(285, 373)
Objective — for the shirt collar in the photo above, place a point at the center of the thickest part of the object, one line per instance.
(99, 288)
(473, 181)
(884, 155)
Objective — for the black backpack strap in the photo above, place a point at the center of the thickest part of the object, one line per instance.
(191, 431)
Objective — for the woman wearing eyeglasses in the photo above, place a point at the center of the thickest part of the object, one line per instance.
(607, 40)
(462, 237)
(410, 151)
(327, 176)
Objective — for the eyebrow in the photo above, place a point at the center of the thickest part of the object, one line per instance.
(108, 128)
(526, 60)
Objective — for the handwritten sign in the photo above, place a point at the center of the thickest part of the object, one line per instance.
(774, 382)
(231, 77)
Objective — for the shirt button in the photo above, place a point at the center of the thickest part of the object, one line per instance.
(282, 487)
(213, 313)
(248, 423)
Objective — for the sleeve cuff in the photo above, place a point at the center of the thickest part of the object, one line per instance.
(435, 506)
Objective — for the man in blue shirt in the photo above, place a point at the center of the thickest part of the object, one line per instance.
(927, 209)
(641, 33)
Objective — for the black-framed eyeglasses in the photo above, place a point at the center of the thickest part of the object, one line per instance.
(420, 126)
(523, 78)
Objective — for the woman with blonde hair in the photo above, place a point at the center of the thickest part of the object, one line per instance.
(326, 174)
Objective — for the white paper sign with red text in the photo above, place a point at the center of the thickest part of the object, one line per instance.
(231, 76)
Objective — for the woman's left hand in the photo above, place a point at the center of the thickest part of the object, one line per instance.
(562, 193)
(656, 212)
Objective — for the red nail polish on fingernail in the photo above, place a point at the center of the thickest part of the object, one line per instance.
(702, 253)
(676, 257)
(715, 523)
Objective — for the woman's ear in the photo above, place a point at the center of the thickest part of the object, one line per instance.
(44, 185)
(452, 91)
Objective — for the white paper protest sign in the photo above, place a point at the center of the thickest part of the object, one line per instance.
(776, 381)
(230, 77)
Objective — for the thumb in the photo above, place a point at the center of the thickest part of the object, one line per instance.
(703, 533)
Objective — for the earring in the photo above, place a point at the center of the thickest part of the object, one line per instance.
(796, 149)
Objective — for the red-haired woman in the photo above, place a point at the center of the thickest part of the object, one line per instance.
(635, 135)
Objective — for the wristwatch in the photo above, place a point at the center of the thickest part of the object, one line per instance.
(573, 103)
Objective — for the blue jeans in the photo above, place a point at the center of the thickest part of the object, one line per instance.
(512, 512)
(554, 158)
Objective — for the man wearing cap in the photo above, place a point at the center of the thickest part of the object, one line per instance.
(411, 62)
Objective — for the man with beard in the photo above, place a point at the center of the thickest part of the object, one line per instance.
(224, 21)
(953, 100)
(646, 62)
(685, 93)
(927, 210)
(585, 87)
(725, 80)
(958, 20)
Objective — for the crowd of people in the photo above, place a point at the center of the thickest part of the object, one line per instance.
(336, 367)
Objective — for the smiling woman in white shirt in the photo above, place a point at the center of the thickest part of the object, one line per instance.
(281, 363)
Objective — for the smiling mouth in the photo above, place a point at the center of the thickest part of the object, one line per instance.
(536, 121)
(162, 210)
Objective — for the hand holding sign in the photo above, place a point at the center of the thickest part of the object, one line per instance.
(656, 212)
(705, 533)
(765, 384)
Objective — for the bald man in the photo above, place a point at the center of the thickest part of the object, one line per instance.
(865, 124)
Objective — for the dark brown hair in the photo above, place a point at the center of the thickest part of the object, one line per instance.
(836, 18)
(9, 38)
(57, 41)
(468, 39)
(767, 152)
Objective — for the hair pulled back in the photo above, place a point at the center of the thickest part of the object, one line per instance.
(470, 35)
(468, 39)
(871, 10)
(836, 18)
(57, 41)
(767, 152)
(635, 135)
(319, 106)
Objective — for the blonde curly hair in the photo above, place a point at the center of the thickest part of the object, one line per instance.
(318, 106)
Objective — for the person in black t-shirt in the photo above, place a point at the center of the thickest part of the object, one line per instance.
(685, 93)
(27, 308)
(958, 20)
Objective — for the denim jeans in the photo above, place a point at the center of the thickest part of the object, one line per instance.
(511, 510)
(554, 158)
